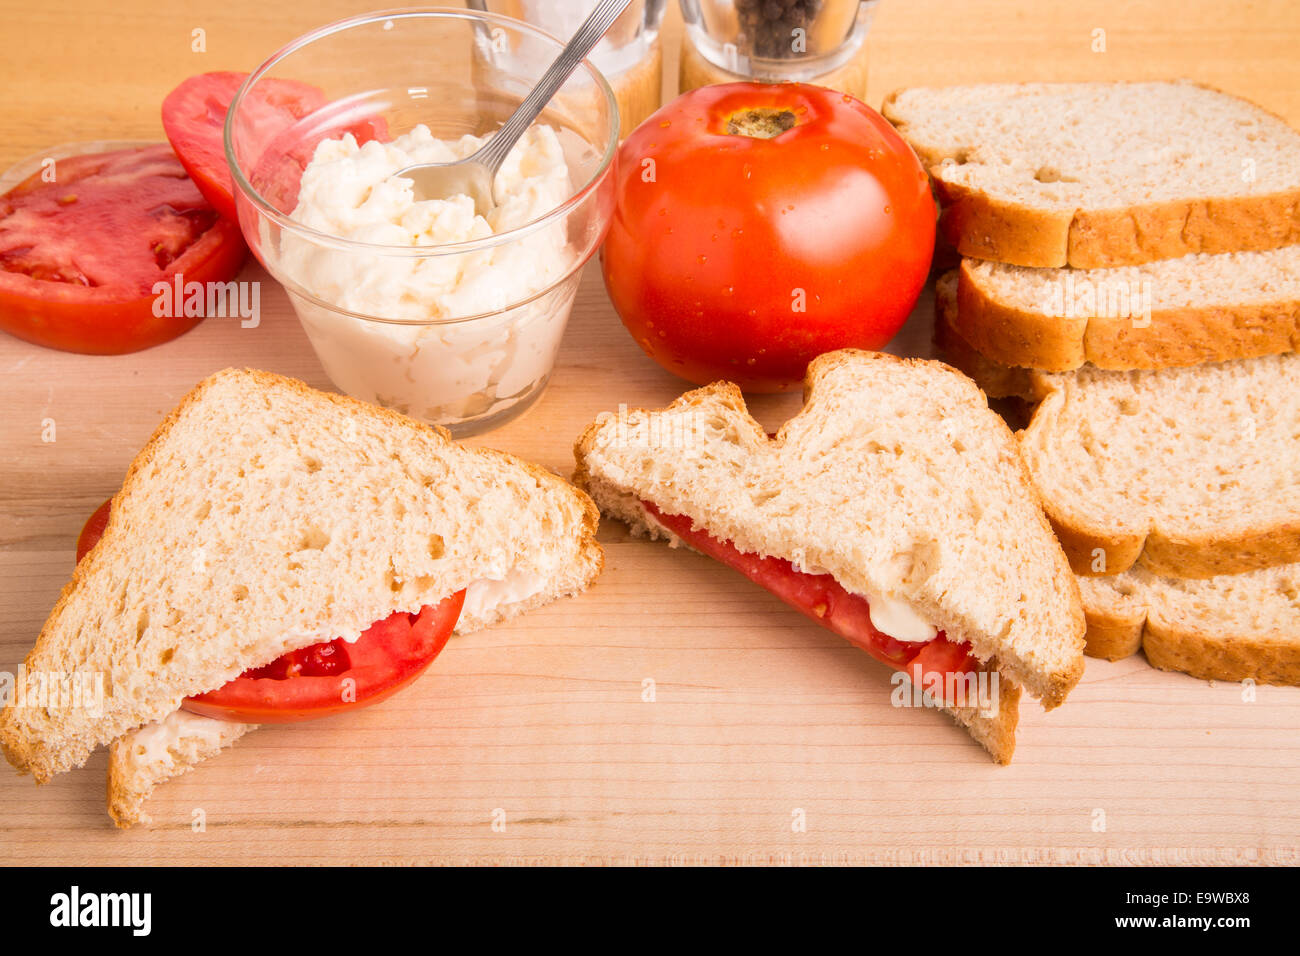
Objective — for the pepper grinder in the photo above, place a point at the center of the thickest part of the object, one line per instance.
(775, 41)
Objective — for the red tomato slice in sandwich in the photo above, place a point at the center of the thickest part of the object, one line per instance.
(823, 599)
(335, 676)
(80, 256)
(328, 677)
(93, 529)
(194, 118)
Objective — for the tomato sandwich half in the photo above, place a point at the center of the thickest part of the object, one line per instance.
(279, 554)
(894, 510)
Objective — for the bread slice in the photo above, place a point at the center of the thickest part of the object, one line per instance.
(151, 755)
(264, 516)
(1094, 175)
(148, 756)
(1187, 472)
(1230, 627)
(1184, 472)
(994, 378)
(895, 478)
(1200, 308)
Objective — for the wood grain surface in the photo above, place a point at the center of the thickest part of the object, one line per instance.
(768, 740)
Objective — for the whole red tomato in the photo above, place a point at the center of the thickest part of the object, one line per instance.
(760, 225)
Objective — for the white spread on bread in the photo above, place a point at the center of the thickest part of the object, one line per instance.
(155, 742)
(889, 615)
(487, 594)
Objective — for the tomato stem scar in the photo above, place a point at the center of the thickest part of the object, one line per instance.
(762, 122)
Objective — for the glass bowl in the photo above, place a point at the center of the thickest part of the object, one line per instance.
(481, 353)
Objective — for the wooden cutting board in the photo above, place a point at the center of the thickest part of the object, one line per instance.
(674, 713)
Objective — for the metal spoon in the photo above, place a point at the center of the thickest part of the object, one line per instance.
(474, 175)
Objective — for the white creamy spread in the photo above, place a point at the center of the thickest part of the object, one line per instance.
(889, 615)
(153, 743)
(446, 372)
(486, 594)
(898, 620)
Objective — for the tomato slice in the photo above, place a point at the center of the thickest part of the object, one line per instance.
(325, 678)
(822, 598)
(80, 256)
(335, 676)
(194, 119)
(93, 529)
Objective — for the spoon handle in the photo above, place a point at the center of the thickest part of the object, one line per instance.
(588, 35)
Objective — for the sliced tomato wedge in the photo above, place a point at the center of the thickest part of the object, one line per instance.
(822, 598)
(325, 678)
(80, 256)
(335, 676)
(93, 529)
(194, 119)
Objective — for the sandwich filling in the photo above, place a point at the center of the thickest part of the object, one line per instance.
(484, 596)
(154, 743)
(334, 675)
(887, 629)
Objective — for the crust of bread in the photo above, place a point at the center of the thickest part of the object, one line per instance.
(1094, 549)
(996, 379)
(988, 227)
(1221, 654)
(1008, 335)
(996, 734)
(1098, 550)
(985, 227)
(46, 757)
(131, 780)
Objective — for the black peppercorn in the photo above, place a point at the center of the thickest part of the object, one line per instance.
(768, 27)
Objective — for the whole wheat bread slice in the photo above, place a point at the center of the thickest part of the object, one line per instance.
(995, 379)
(1230, 627)
(1187, 472)
(895, 478)
(148, 756)
(1195, 429)
(1200, 308)
(1094, 175)
(264, 516)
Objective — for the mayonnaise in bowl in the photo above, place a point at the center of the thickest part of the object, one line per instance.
(424, 306)
(431, 362)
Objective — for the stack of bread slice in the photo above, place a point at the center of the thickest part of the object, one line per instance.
(1131, 272)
